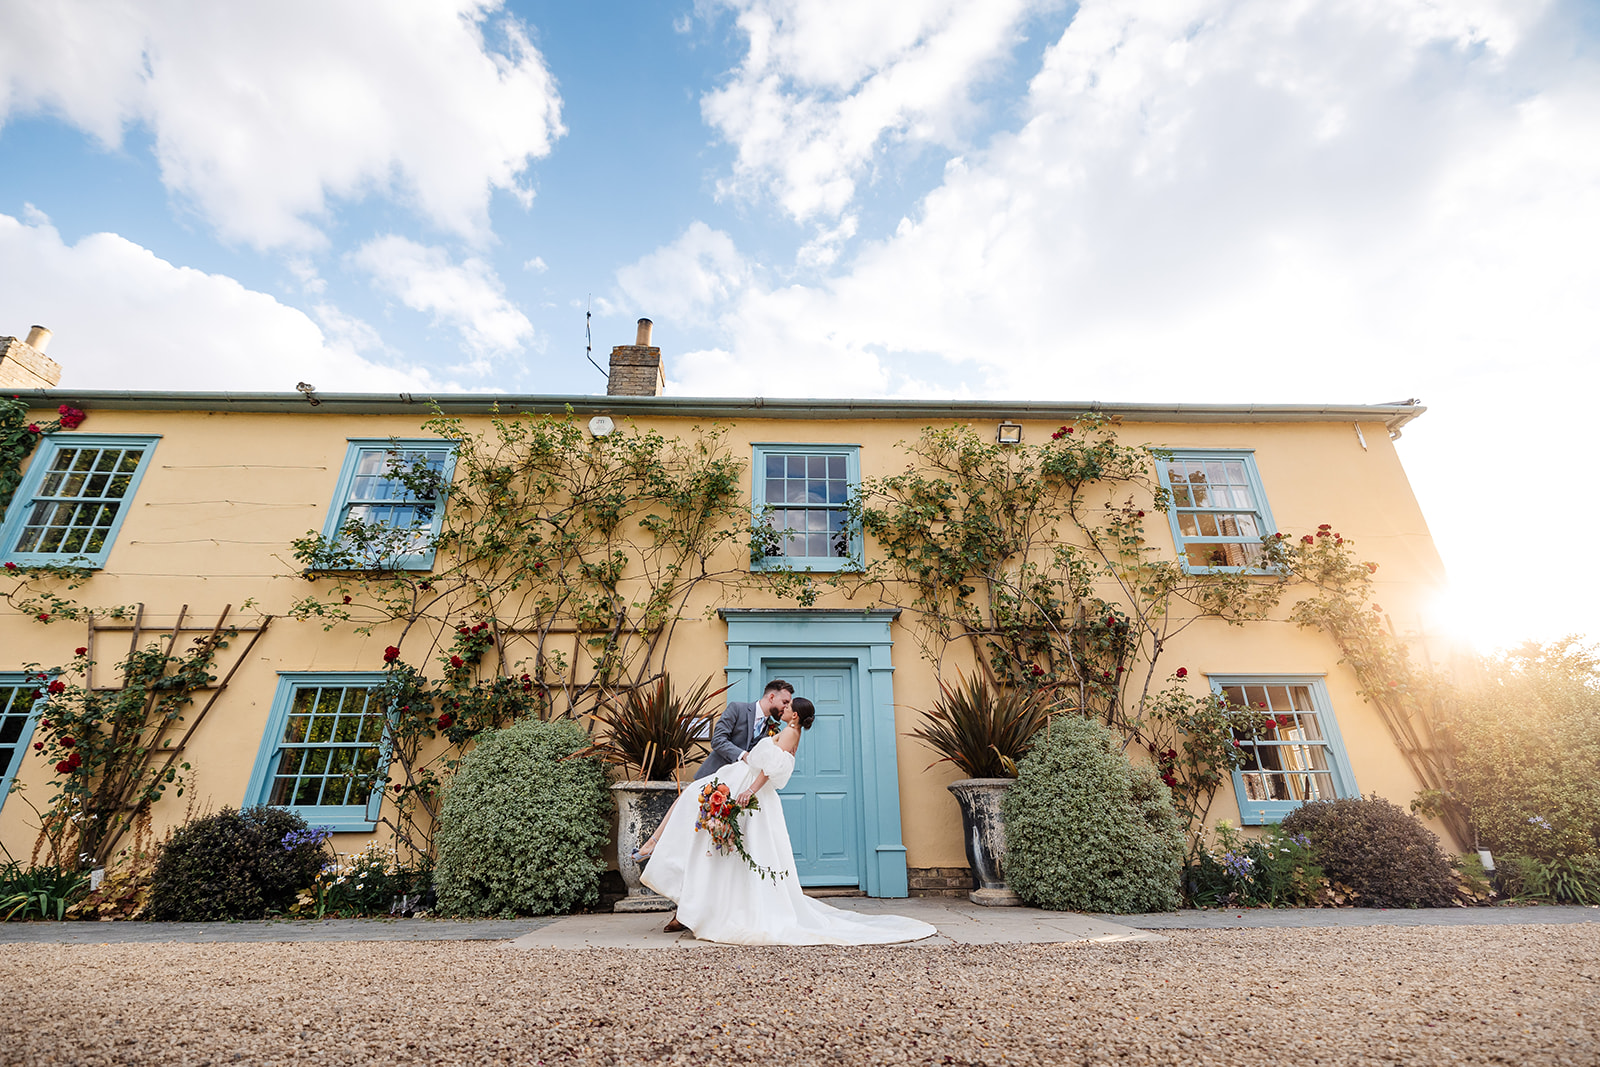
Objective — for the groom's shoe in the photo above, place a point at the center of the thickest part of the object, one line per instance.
(673, 925)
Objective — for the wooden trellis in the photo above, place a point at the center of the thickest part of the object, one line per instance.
(136, 632)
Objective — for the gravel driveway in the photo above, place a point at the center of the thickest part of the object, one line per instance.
(1422, 995)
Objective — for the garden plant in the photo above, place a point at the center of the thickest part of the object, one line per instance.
(236, 864)
(1088, 830)
(1382, 853)
(523, 823)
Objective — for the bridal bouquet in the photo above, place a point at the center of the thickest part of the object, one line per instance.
(719, 817)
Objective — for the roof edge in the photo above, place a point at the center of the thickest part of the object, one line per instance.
(1394, 416)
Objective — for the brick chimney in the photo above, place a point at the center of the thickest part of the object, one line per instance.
(636, 368)
(23, 364)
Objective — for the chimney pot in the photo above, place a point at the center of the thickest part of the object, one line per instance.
(636, 369)
(38, 338)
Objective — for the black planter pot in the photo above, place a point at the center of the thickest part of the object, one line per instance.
(985, 833)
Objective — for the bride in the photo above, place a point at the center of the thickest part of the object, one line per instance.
(721, 898)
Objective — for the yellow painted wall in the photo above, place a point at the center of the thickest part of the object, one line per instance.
(226, 492)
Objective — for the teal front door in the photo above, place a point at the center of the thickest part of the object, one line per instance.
(821, 803)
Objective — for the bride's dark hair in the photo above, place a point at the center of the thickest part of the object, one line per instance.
(806, 710)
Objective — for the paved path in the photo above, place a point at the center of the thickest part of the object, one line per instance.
(959, 923)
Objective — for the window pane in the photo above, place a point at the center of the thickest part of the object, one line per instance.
(819, 481)
(78, 500)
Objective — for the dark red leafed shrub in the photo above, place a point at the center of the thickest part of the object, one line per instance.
(235, 865)
(1383, 853)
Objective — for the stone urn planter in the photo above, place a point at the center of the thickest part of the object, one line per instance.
(985, 834)
(640, 808)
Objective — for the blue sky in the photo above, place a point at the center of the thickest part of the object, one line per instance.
(1187, 200)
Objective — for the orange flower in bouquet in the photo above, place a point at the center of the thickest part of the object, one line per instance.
(719, 817)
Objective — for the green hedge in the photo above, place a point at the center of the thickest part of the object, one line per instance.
(1086, 830)
(1529, 763)
(523, 824)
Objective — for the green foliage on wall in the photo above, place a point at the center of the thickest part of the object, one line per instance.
(19, 437)
(580, 554)
(112, 747)
(1086, 830)
(523, 824)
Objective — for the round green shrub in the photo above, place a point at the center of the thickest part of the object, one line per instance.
(523, 824)
(233, 865)
(1086, 830)
(1383, 853)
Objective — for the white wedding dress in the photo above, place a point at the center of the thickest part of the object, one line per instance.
(721, 899)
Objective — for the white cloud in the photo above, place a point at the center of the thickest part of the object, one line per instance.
(467, 295)
(825, 82)
(680, 281)
(536, 264)
(263, 112)
(1254, 200)
(126, 319)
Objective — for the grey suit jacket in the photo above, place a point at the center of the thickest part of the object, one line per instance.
(731, 737)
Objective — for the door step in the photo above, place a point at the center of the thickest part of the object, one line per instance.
(834, 891)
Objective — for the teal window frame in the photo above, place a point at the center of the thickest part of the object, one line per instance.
(27, 496)
(340, 511)
(361, 817)
(1340, 775)
(760, 451)
(17, 683)
(1181, 541)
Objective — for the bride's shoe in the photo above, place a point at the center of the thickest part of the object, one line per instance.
(641, 858)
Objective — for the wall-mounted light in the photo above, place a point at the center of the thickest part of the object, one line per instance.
(1009, 433)
(601, 425)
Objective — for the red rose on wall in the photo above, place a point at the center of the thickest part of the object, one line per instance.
(57, 686)
(455, 661)
(445, 720)
(80, 651)
(391, 654)
(1182, 672)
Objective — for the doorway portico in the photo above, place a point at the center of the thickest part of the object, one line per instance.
(847, 798)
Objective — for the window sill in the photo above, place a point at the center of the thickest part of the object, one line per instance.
(1266, 812)
(803, 565)
(347, 821)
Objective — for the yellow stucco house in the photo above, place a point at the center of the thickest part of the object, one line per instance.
(190, 501)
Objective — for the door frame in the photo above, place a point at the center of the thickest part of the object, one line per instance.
(756, 635)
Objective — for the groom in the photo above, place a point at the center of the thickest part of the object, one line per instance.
(736, 733)
(743, 724)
